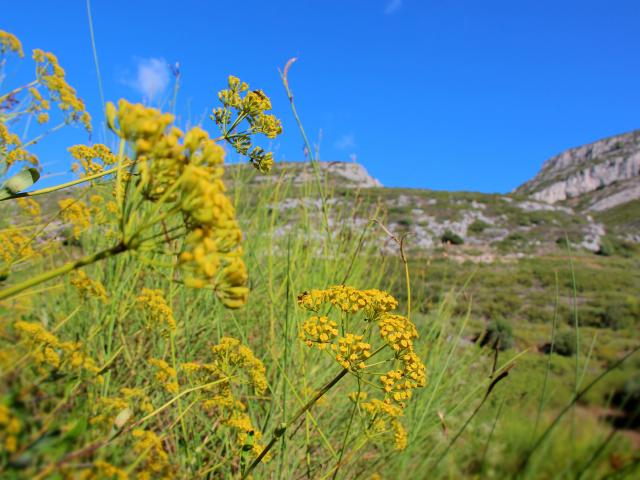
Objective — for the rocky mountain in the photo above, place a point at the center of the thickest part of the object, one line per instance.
(594, 177)
(345, 174)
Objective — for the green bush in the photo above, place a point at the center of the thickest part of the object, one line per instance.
(499, 330)
(478, 227)
(565, 343)
(606, 248)
(628, 399)
(616, 246)
(450, 237)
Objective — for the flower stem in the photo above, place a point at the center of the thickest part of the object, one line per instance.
(283, 428)
(64, 269)
(63, 185)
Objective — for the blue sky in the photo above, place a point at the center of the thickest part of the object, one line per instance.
(457, 95)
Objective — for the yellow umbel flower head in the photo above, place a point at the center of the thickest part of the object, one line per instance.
(10, 43)
(158, 312)
(251, 108)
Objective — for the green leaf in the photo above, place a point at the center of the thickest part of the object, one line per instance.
(19, 182)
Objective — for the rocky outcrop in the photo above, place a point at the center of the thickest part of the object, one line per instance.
(345, 174)
(589, 168)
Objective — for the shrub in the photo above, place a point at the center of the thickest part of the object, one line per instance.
(565, 343)
(606, 248)
(450, 237)
(478, 227)
(611, 245)
(628, 399)
(499, 330)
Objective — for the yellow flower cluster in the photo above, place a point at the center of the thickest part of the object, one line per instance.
(15, 246)
(166, 375)
(10, 43)
(159, 313)
(318, 331)
(39, 106)
(351, 351)
(385, 418)
(10, 428)
(100, 470)
(156, 463)
(102, 211)
(397, 331)
(77, 213)
(17, 153)
(349, 300)
(252, 108)
(52, 76)
(234, 361)
(88, 287)
(186, 170)
(231, 355)
(47, 349)
(29, 206)
(130, 402)
(87, 157)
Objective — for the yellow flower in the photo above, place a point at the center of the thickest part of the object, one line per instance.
(166, 375)
(88, 287)
(252, 107)
(385, 419)
(52, 76)
(10, 427)
(318, 331)
(15, 246)
(397, 331)
(48, 349)
(86, 158)
(76, 213)
(156, 460)
(29, 206)
(349, 299)
(137, 123)
(230, 353)
(10, 43)
(17, 153)
(184, 171)
(236, 362)
(351, 351)
(159, 313)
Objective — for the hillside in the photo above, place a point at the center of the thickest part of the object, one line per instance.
(481, 225)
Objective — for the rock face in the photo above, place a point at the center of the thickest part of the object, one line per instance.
(601, 165)
(346, 174)
(353, 173)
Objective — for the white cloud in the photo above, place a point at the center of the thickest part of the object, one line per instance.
(152, 77)
(346, 141)
(392, 7)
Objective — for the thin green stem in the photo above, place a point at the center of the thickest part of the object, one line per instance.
(63, 185)
(314, 162)
(64, 269)
(35, 140)
(346, 434)
(17, 90)
(95, 60)
(283, 428)
(543, 394)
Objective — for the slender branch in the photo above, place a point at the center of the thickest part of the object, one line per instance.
(18, 90)
(43, 277)
(280, 431)
(63, 185)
